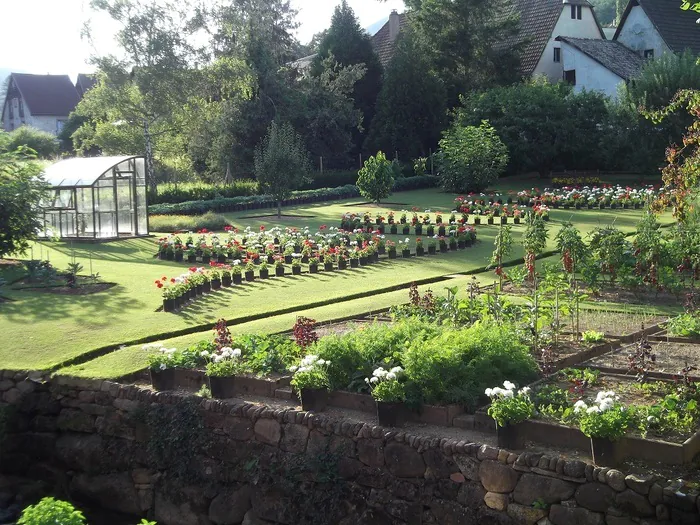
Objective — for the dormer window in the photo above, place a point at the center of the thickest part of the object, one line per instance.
(575, 12)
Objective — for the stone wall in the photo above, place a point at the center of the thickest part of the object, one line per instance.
(250, 464)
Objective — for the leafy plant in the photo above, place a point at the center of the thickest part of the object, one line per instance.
(551, 395)
(312, 373)
(607, 418)
(508, 406)
(684, 325)
(386, 385)
(50, 511)
(592, 336)
(204, 392)
(304, 331)
(376, 178)
(228, 363)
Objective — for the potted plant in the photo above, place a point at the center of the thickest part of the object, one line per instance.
(430, 230)
(222, 370)
(393, 229)
(419, 228)
(342, 261)
(236, 273)
(391, 249)
(288, 255)
(432, 247)
(170, 252)
(215, 279)
(508, 409)
(206, 254)
(391, 217)
(164, 363)
(406, 229)
(442, 242)
(420, 250)
(249, 271)
(364, 259)
(296, 266)
(221, 254)
(313, 265)
(441, 230)
(354, 259)
(191, 254)
(328, 262)
(604, 422)
(279, 266)
(310, 382)
(226, 277)
(389, 394)
(477, 220)
(405, 248)
(402, 219)
(179, 253)
(170, 294)
(264, 271)
(453, 242)
(206, 282)
(381, 245)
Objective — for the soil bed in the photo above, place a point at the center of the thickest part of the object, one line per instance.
(670, 357)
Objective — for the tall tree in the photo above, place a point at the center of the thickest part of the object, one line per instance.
(412, 105)
(348, 44)
(281, 162)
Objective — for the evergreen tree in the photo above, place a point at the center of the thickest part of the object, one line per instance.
(350, 45)
(412, 105)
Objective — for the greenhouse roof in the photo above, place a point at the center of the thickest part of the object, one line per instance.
(84, 171)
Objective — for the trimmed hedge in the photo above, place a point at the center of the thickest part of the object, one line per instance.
(169, 193)
(172, 223)
(266, 201)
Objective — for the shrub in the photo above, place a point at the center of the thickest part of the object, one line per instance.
(50, 511)
(685, 325)
(376, 178)
(44, 143)
(471, 158)
(195, 191)
(172, 223)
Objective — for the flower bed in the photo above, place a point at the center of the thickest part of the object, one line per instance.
(437, 224)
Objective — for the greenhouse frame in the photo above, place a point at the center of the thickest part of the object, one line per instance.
(96, 198)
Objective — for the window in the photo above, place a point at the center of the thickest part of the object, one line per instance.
(59, 125)
(648, 53)
(557, 54)
(575, 12)
(11, 105)
(21, 108)
(570, 77)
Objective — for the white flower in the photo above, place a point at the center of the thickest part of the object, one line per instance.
(205, 353)
(226, 350)
(580, 405)
(593, 410)
(320, 362)
(489, 392)
(367, 380)
(524, 391)
(396, 370)
(651, 419)
(374, 379)
(163, 366)
(508, 385)
(391, 376)
(508, 393)
(293, 368)
(236, 352)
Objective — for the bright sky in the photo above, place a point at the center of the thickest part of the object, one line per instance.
(51, 43)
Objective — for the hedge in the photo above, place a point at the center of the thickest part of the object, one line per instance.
(266, 201)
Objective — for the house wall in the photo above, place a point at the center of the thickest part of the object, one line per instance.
(52, 124)
(639, 34)
(590, 75)
(8, 123)
(584, 28)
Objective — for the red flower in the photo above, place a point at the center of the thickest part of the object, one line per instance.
(172, 279)
(322, 227)
(228, 228)
(262, 228)
(160, 285)
(163, 278)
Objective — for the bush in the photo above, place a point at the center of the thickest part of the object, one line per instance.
(172, 223)
(196, 191)
(330, 179)
(376, 178)
(44, 143)
(50, 511)
(471, 158)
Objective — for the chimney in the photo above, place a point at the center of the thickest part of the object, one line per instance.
(394, 25)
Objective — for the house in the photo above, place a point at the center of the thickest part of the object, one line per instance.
(384, 40)
(40, 101)
(83, 83)
(654, 27)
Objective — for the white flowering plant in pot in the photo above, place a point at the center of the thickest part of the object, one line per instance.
(227, 362)
(605, 418)
(386, 385)
(508, 405)
(311, 374)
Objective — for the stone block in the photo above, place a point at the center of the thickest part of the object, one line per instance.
(526, 515)
(634, 504)
(230, 506)
(371, 452)
(595, 496)
(561, 515)
(240, 429)
(468, 466)
(471, 495)
(496, 501)
(268, 431)
(496, 477)
(76, 420)
(451, 513)
(111, 491)
(403, 461)
(294, 438)
(616, 480)
(439, 464)
(532, 488)
(640, 484)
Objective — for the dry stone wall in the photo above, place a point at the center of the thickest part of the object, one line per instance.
(244, 463)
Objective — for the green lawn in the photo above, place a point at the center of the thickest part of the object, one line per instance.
(45, 331)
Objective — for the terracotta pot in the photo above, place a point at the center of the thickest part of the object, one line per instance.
(313, 399)
(511, 437)
(390, 414)
(604, 452)
(222, 387)
(163, 379)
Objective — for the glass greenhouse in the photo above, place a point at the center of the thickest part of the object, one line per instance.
(96, 198)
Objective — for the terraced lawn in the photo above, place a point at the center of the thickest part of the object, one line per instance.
(47, 331)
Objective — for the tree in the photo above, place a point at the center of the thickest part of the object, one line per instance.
(471, 158)
(21, 191)
(43, 143)
(376, 178)
(350, 45)
(534, 241)
(608, 11)
(412, 105)
(281, 162)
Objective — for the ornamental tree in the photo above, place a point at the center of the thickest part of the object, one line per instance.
(471, 158)
(376, 178)
(281, 162)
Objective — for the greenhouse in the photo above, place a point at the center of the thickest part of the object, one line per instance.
(96, 198)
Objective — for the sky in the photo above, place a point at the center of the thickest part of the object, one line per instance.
(51, 42)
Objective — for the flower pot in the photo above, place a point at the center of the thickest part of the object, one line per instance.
(489, 220)
(296, 270)
(256, 261)
(279, 271)
(191, 258)
(222, 387)
(163, 379)
(510, 437)
(392, 254)
(328, 267)
(453, 246)
(419, 229)
(431, 250)
(199, 289)
(516, 220)
(420, 251)
(179, 256)
(161, 256)
(443, 248)
(270, 259)
(264, 274)
(406, 253)
(394, 229)
(169, 256)
(354, 263)
(477, 220)
(215, 284)
(381, 229)
(403, 220)
(390, 414)
(238, 278)
(342, 264)
(207, 286)
(206, 259)
(313, 268)
(221, 259)
(313, 399)
(441, 231)
(168, 305)
(363, 261)
(604, 452)
(406, 230)
(226, 280)
(381, 250)
(288, 259)
(250, 276)
(461, 244)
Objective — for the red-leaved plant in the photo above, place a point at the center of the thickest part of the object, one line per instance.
(304, 331)
(223, 335)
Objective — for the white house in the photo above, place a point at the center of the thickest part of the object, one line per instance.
(40, 101)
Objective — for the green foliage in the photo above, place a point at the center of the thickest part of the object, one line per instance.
(471, 158)
(551, 396)
(199, 191)
(43, 143)
(204, 392)
(610, 249)
(509, 407)
(21, 192)
(50, 511)
(536, 235)
(609, 424)
(173, 223)
(592, 336)
(163, 358)
(311, 373)
(281, 162)
(390, 391)
(684, 325)
(229, 367)
(376, 178)
(571, 246)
